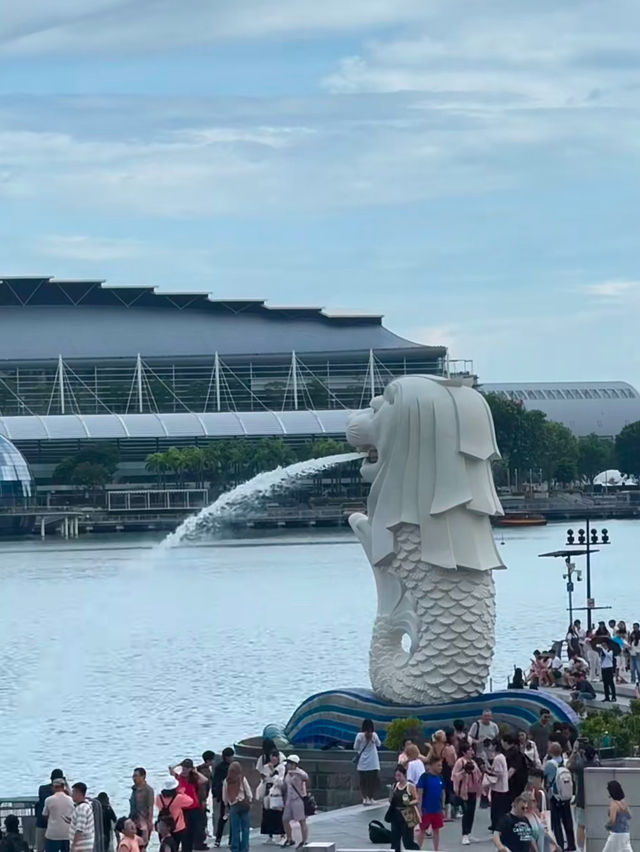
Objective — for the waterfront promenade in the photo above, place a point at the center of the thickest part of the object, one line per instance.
(348, 829)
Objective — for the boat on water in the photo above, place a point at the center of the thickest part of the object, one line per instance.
(520, 519)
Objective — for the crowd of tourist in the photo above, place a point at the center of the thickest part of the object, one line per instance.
(68, 819)
(609, 653)
(531, 781)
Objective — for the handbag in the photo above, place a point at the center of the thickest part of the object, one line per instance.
(310, 806)
(410, 816)
(243, 805)
(308, 802)
(356, 757)
(276, 802)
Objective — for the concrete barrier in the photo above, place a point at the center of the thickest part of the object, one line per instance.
(627, 772)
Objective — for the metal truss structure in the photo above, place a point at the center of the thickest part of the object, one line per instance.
(141, 385)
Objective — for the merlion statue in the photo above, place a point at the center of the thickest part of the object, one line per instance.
(427, 535)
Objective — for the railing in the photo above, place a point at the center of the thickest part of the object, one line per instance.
(167, 499)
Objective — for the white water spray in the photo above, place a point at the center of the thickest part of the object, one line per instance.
(249, 493)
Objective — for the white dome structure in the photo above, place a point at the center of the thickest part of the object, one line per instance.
(614, 479)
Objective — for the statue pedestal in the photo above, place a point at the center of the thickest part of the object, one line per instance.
(335, 716)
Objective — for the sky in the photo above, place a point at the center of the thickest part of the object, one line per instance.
(468, 168)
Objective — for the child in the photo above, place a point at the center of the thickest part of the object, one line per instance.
(431, 800)
(127, 836)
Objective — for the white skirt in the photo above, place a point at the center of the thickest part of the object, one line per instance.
(618, 843)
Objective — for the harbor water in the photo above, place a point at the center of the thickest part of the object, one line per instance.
(117, 653)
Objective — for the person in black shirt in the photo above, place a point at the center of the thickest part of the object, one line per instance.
(13, 841)
(515, 833)
(109, 819)
(44, 791)
(516, 765)
(217, 780)
(582, 757)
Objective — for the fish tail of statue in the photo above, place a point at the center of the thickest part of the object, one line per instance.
(444, 652)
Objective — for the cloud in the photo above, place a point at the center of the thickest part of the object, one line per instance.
(533, 53)
(612, 290)
(117, 26)
(88, 248)
(195, 160)
(437, 335)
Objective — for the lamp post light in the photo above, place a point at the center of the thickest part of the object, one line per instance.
(571, 572)
(587, 539)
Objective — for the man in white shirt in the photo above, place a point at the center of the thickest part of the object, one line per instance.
(81, 828)
(556, 670)
(58, 809)
(608, 668)
(483, 729)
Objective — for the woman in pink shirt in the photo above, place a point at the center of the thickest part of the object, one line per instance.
(174, 801)
(466, 778)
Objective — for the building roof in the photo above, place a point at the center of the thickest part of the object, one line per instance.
(601, 408)
(41, 318)
(224, 424)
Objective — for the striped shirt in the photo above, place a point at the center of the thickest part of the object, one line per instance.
(82, 823)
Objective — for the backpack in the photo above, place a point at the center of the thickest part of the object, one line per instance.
(563, 784)
(379, 833)
(165, 815)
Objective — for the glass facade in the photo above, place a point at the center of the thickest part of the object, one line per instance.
(15, 478)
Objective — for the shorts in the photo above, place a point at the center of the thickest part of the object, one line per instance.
(580, 817)
(434, 821)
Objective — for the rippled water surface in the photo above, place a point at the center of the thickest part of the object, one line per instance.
(115, 655)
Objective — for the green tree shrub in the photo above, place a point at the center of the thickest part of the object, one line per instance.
(404, 729)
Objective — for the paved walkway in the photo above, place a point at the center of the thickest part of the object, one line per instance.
(348, 829)
(625, 694)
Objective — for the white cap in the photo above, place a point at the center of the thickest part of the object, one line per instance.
(170, 784)
(293, 758)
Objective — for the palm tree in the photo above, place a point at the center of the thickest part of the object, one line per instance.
(214, 460)
(175, 463)
(157, 463)
(328, 447)
(194, 461)
(270, 453)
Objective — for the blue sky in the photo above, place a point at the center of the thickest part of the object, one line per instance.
(467, 168)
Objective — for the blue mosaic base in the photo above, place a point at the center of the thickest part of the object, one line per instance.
(336, 715)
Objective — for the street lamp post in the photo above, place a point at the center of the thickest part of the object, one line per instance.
(587, 538)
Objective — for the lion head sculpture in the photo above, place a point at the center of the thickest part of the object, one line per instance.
(430, 444)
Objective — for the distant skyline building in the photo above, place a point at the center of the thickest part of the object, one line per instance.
(83, 361)
(599, 408)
